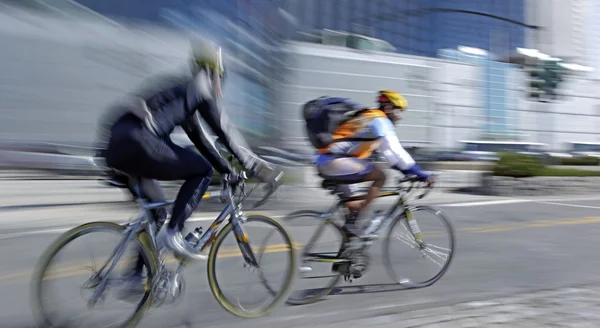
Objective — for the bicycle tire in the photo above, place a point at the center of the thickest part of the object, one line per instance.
(212, 277)
(327, 289)
(46, 258)
(386, 247)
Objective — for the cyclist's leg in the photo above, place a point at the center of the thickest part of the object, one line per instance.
(378, 177)
(350, 170)
(137, 152)
(151, 189)
(189, 197)
(154, 193)
(346, 171)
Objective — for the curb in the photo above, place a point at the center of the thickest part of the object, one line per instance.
(538, 186)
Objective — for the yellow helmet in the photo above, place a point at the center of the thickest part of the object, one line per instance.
(396, 99)
(206, 53)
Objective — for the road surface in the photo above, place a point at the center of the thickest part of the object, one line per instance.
(508, 250)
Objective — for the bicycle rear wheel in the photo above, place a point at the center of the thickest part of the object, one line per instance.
(232, 256)
(320, 248)
(43, 274)
(433, 245)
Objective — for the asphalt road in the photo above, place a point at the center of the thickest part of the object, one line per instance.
(504, 246)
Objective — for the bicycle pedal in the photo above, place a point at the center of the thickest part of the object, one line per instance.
(356, 275)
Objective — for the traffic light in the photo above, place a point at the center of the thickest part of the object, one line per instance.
(544, 77)
(535, 81)
(553, 77)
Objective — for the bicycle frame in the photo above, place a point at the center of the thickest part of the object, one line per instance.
(400, 203)
(145, 222)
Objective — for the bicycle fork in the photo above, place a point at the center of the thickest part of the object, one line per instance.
(414, 228)
(237, 219)
(117, 253)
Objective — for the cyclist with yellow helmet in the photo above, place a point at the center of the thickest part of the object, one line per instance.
(348, 162)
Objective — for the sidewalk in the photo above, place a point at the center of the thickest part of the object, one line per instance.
(39, 203)
(304, 175)
(565, 307)
(61, 192)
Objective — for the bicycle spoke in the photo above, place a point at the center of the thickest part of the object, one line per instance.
(270, 290)
(410, 241)
(52, 303)
(439, 256)
(429, 257)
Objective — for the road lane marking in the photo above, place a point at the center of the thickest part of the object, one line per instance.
(70, 272)
(573, 199)
(233, 252)
(74, 270)
(33, 232)
(61, 230)
(571, 205)
(534, 224)
(487, 203)
(542, 200)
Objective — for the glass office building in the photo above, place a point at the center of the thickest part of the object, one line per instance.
(415, 27)
(483, 32)
(498, 97)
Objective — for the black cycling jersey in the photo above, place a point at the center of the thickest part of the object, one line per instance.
(183, 101)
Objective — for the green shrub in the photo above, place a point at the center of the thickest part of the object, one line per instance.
(524, 166)
(518, 165)
(588, 160)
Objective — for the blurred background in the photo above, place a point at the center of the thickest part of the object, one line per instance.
(503, 104)
(481, 76)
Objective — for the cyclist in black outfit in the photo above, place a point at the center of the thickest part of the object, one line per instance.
(137, 140)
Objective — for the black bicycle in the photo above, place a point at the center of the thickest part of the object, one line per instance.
(163, 285)
(401, 223)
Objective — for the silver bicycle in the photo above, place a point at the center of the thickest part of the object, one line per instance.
(162, 285)
(435, 246)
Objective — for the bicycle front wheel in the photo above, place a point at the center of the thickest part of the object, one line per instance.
(231, 258)
(90, 276)
(429, 235)
(321, 242)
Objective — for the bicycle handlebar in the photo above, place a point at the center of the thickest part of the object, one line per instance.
(271, 186)
(414, 180)
(233, 181)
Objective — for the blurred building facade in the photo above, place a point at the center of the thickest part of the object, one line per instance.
(247, 31)
(412, 27)
(78, 62)
(416, 27)
(453, 97)
(570, 29)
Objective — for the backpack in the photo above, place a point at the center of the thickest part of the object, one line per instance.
(323, 115)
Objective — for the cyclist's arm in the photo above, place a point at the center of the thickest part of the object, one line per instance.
(200, 97)
(205, 146)
(396, 156)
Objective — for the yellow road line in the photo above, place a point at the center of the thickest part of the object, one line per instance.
(534, 224)
(73, 270)
(65, 272)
